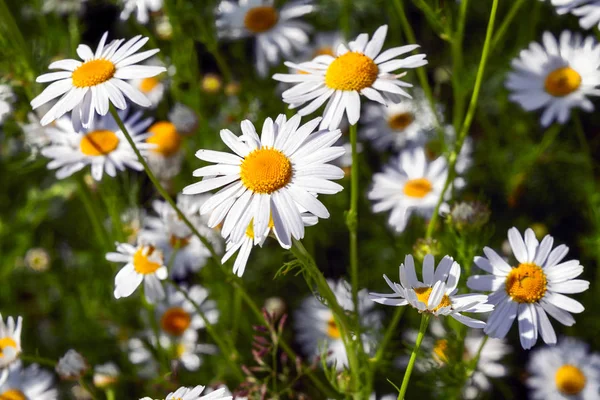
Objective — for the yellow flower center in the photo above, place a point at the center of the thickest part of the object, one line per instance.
(165, 137)
(211, 83)
(266, 170)
(351, 71)
(12, 394)
(562, 81)
(175, 321)
(98, 143)
(569, 379)
(399, 122)
(261, 19)
(526, 283)
(179, 242)
(417, 188)
(332, 329)
(92, 73)
(440, 349)
(142, 263)
(6, 342)
(423, 296)
(147, 84)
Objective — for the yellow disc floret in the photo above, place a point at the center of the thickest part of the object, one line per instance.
(142, 263)
(261, 19)
(417, 188)
(526, 283)
(98, 143)
(332, 329)
(12, 394)
(175, 321)
(266, 170)
(92, 73)
(423, 294)
(147, 84)
(351, 71)
(399, 122)
(562, 81)
(165, 137)
(440, 350)
(570, 380)
(6, 342)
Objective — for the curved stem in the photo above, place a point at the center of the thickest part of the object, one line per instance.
(38, 360)
(457, 65)
(352, 218)
(413, 356)
(91, 211)
(468, 118)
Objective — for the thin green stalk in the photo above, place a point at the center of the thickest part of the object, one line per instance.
(431, 15)
(92, 213)
(462, 134)
(345, 18)
(38, 360)
(585, 148)
(512, 13)
(74, 36)
(457, 66)
(413, 356)
(159, 187)
(352, 217)
(478, 354)
(110, 394)
(389, 333)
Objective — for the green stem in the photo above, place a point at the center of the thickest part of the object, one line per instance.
(92, 213)
(389, 333)
(468, 119)
(457, 65)
(110, 394)
(512, 13)
(430, 15)
(413, 356)
(345, 18)
(352, 217)
(38, 360)
(159, 187)
(87, 388)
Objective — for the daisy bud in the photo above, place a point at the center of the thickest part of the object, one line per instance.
(71, 366)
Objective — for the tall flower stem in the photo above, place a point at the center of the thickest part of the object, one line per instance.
(92, 213)
(158, 185)
(352, 217)
(462, 134)
(413, 356)
(506, 22)
(457, 65)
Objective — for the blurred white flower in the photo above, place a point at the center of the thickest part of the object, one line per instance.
(71, 366)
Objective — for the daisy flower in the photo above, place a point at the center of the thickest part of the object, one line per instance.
(86, 87)
(316, 327)
(184, 393)
(10, 343)
(166, 157)
(276, 30)
(588, 11)
(36, 136)
(323, 43)
(142, 9)
(408, 184)
(177, 315)
(556, 77)
(531, 289)
(28, 383)
(72, 365)
(271, 176)
(436, 294)
(103, 146)
(105, 375)
(341, 79)
(567, 371)
(7, 98)
(174, 237)
(143, 263)
(153, 88)
(396, 125)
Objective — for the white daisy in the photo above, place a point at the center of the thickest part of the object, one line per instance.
(531, 289)
(436, 294)
(588, 11)
(556, 77)
(276, 30)
(142, 8)
(396, 125)
(153, 87)
(87, 87)
(31, 383)
(181, 247)
(7, 98)
(144, 263)
(166, 157)
(184, 118)
(177, 315)
(408, 184)
(106, 375)
(36, 136)
(567, 371)
(72, 365)
(323, 43)
(272, 176)
(10, 342)
(103, 146)
(184, 393)
(341, 79)
(316, 327)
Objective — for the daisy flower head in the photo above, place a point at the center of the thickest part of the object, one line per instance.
(588, 11)
(72, 365)
(276, 31)
(103, 146)
(142, 9)
(275, 176)
(436, 294)
(105, 375)
(143, 263)
(28, 383)
(531, 289)
(567, 371)
(316, 327)
(185, 393)
(175, 239)
(396, 125)
(10, 341)
(340, 80)
(166, 157)
(87, 87)
(153, 87)
(556, 77)
(408, 184)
